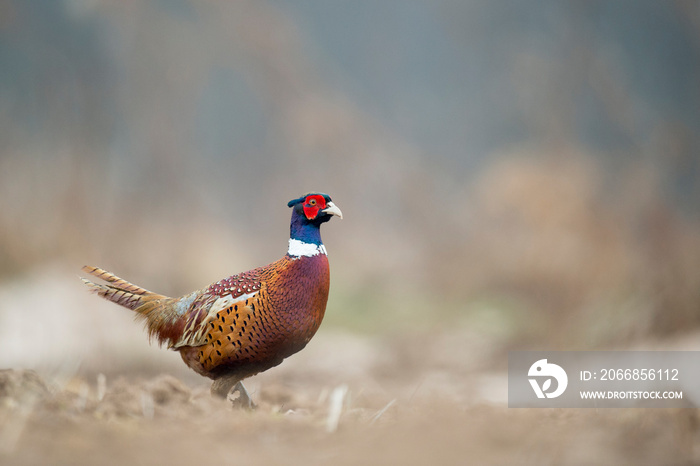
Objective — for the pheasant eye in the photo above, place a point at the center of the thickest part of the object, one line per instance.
(312, 202)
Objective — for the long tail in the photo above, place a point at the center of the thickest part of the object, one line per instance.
(162, 317)
(119, 291)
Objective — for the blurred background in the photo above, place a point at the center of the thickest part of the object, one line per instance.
(513, 175)
(522, 175)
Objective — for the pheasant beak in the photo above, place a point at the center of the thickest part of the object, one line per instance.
(332, 209)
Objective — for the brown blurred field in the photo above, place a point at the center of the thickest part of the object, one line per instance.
(424, 410)
(513, 176)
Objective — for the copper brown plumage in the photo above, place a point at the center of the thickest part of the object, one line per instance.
(246, 323)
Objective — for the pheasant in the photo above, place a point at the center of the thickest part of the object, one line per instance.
(248, 322)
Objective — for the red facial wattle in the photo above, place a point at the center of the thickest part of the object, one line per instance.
(313, 205)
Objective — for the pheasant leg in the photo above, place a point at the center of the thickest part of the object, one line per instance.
(227, 386)
(243, 399)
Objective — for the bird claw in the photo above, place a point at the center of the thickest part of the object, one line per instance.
(240, 398)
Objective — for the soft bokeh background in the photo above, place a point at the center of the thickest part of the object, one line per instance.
(513, 174)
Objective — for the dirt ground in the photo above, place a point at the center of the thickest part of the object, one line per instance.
(344, 400)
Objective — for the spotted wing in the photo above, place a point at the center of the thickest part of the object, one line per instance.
(205, 307)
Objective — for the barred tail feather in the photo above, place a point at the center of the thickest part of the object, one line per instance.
(119, 291)
(115, 281)
(155, 309)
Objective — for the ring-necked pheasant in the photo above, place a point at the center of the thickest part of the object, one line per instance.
(246, 323)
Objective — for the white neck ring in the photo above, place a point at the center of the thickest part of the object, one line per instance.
(299, 248)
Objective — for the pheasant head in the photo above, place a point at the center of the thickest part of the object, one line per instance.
(308, 213)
